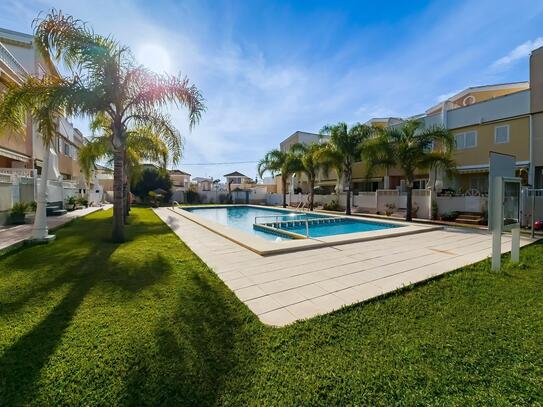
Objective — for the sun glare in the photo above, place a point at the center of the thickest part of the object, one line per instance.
(154, 57)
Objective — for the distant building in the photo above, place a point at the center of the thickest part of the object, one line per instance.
(180, 180)
(203, 184)
(237, 180)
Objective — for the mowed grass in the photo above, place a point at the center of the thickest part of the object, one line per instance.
(87, 322)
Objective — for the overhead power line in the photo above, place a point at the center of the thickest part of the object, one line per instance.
(224, 163)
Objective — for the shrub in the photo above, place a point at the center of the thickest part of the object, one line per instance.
(389, 209)
(71, 203)
(19, 208)
(449, 216)
(150, 180)
(83, 201)
(332, 206)
(32, 206)
(17, 213)
(192, 197)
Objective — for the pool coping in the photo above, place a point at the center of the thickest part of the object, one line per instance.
(265, 247)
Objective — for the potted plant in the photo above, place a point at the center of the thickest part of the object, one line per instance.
(84, 202)
(17, 213)
(71, 203)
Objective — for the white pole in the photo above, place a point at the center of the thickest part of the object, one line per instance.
(515, 245)
(40, 230)
(496, 249)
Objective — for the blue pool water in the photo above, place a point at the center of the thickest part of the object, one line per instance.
(243, 218)
(345, 226)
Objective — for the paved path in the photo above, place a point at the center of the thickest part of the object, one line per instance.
(283, 288)
(15, 235)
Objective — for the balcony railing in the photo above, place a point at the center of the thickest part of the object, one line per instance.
(10, 61)
(17, 173)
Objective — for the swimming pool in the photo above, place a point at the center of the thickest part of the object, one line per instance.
(243, 218)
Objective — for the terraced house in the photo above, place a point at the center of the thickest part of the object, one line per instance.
(505, 118)
(21, 155)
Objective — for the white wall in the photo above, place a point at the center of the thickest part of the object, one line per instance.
(460, 204)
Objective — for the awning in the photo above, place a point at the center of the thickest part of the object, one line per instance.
(13, 155)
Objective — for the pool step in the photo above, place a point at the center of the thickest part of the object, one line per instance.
(295, 223)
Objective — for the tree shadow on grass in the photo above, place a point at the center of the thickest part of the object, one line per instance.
(21, 364)
(206, 349)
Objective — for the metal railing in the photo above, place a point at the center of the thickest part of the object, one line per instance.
(10, 61)
(175, 203)
(306, 221)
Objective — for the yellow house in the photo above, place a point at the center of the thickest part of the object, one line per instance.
(505, 118)
(237, 180)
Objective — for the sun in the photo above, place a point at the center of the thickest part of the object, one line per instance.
(155, 57)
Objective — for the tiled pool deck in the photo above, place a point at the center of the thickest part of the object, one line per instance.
(283, 288)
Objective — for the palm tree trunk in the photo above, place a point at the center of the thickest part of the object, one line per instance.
(118, 201)
(349, 180)
(39, 229)
(126, 193)
(311, 193)
(409, 204)
(284, 184)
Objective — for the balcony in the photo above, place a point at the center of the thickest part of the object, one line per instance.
(13, 174)
(12, 63)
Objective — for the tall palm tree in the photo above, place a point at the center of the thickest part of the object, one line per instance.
(309, 156)
(157, 144)
(408, 148)
(36, 97)
(280, 162)
(345, 147)
(106, 80)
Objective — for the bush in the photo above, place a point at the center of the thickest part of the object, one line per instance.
(32, 206)
(17, 213)
(71, 203)
(83, 201)
(449, 216)
(150, 180)
(19, 208)
(332, 206)
(192, 197)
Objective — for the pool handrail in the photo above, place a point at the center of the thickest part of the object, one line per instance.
(175, 203)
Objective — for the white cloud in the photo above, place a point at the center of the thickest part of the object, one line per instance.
(519, 52)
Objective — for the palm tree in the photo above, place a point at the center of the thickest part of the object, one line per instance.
(36, 97)
(106, 80)
(345, 147)
(408, 148)
(148, 142)
(309, 156)
(280, 162)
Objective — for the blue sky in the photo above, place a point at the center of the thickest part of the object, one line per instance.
(270, 68)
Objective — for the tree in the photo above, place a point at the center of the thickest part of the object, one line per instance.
(309, 157)
(345, 147)
(106, 80)
(150, 180)
(279, 162)
(409, 148)
(144, 143)
(36, 97)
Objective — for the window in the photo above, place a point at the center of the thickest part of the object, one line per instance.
(466, 140)
(420, 184)
(501, 134)
(66, 149)
(429, 147)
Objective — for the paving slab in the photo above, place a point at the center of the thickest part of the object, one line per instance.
(287, 287)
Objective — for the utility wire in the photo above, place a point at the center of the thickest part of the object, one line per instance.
(225, 163)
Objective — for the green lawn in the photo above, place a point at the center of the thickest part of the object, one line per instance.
(87, 322)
